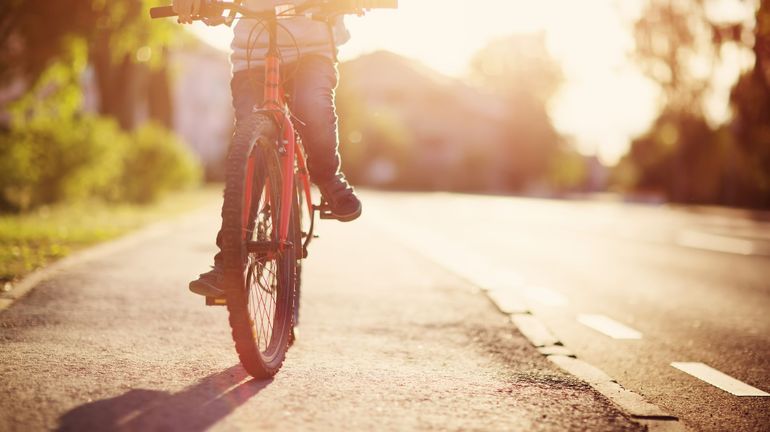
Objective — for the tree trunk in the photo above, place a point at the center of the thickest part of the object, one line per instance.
(159, 97)
(117, 97)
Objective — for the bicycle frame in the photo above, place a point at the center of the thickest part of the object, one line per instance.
(289, 149)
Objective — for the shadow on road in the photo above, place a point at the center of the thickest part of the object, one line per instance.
(196, 408)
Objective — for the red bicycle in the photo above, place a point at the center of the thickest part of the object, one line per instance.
(267, 192)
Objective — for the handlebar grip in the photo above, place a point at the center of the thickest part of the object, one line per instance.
(162, 12)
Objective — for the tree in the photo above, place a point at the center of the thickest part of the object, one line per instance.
(750, 99)
(518, 67)
(125, 48)
(521, 71)
(679, 43)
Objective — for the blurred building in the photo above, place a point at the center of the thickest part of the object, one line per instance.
(414, 127)
(203, 113)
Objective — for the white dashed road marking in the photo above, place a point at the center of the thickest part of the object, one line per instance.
(509, 292)
(608, 326)
(718, 379)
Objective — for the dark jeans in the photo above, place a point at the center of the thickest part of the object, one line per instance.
(310, 85)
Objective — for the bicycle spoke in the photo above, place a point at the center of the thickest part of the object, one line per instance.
(262, 276)
(261, 330)
(266, 315)
(255, 306)
(268, 286)
(264, 273)
(262, 310)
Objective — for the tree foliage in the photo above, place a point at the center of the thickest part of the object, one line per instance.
(35, 33)
(124, 48)
(678, 45)
(520, 69)
(52, 149)
(683, 156)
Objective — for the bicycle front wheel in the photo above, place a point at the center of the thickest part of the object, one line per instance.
(259, 283)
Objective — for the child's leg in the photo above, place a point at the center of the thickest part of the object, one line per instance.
(247, 88)
(313, 104)
(313, 86)
(247, 91)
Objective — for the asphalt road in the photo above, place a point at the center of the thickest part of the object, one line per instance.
(390, 340)
(687, 285)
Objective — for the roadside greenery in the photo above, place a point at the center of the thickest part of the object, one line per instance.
(31, 240)
(67, 160)
(55, 152)
(74, 173)
(684, 155)
(52, 148)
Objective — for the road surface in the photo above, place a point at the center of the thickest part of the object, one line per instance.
(396, 332)
(631, 289)
(389, 341)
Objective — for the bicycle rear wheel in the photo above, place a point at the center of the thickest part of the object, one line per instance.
(259, 284)
(300, 231)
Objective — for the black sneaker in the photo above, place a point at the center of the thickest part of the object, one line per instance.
(208, 284)
(343, 202)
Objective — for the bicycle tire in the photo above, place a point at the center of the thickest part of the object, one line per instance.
(299, 211)
(261, 327)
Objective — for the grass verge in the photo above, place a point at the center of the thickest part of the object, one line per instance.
(32, 240)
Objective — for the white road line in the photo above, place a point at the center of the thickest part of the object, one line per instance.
(713, 242)
(608, 326)
(544, 296)
(497, 279)
(508, 301)
(718, 379)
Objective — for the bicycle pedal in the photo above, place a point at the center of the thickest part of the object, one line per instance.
(216, 301)
(304, 235)
(324, 211)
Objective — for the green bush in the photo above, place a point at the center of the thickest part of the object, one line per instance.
(155, 163)
(53, 152)
(47, 160)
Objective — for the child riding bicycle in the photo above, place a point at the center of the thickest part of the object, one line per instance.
(308, 48)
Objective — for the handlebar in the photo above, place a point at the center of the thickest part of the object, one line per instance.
(214, 8)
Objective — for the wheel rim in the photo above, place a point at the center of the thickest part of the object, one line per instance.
(262, 283)
(261, 272)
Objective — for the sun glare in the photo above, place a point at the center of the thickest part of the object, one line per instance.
(605, 100)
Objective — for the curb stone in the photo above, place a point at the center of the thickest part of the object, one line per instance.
(32, 280)
(538, 334)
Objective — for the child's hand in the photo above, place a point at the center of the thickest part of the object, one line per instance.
(187, 9)
(360, 5)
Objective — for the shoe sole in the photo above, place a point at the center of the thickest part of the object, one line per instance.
(348, 217)
(206, 290)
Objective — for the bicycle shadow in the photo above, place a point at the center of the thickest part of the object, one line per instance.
(195, 408)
